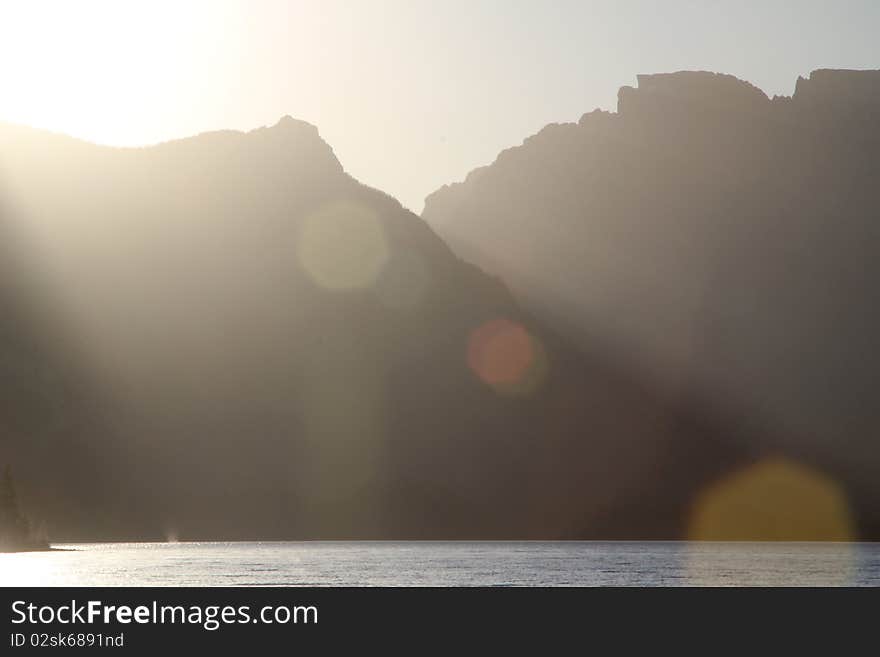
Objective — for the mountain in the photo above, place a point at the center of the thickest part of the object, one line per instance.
(716, 241)
(45, 394)
(227, 336)
(16, 532)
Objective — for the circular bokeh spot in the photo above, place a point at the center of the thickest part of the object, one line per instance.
(772, 500)
(504, 355)
(342, 246)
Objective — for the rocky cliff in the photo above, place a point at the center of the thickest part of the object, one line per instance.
(722, 243)
(245, 342)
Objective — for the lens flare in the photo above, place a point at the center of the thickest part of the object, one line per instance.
(505, 356)
(342, 246)
(773, 500)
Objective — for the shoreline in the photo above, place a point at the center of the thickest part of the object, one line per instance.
(48, 548)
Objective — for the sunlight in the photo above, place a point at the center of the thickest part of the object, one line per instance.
(405, 293)
(64, 68)
(28, 569)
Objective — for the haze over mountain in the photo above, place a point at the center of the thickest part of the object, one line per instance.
(227, 336)
(717, 241)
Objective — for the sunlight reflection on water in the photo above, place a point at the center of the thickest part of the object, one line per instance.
(447, 564)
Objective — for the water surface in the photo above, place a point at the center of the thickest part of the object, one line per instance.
(447, 564)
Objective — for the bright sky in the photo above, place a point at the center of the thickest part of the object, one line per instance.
(411, 94)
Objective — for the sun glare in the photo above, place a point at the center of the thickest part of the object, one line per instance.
(94, 69)
(28, 569)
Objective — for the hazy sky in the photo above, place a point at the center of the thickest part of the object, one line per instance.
(411, 94)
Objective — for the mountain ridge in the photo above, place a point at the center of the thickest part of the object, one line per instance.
(825, 83)
(268, 349)
(717, 240)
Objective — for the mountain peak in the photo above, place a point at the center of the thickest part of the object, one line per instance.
(851, 90)
(287, 122)
(300, 140)
(685, 91)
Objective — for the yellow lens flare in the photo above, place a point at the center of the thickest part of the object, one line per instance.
(773, 500)
(342, 246)
(505, 356)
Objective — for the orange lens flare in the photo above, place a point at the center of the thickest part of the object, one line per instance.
(504, 355)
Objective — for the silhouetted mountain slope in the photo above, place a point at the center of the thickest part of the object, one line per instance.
(47, 423)
(266, 348)
(724, 243)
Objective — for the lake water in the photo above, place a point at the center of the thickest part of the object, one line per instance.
(447, 564)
